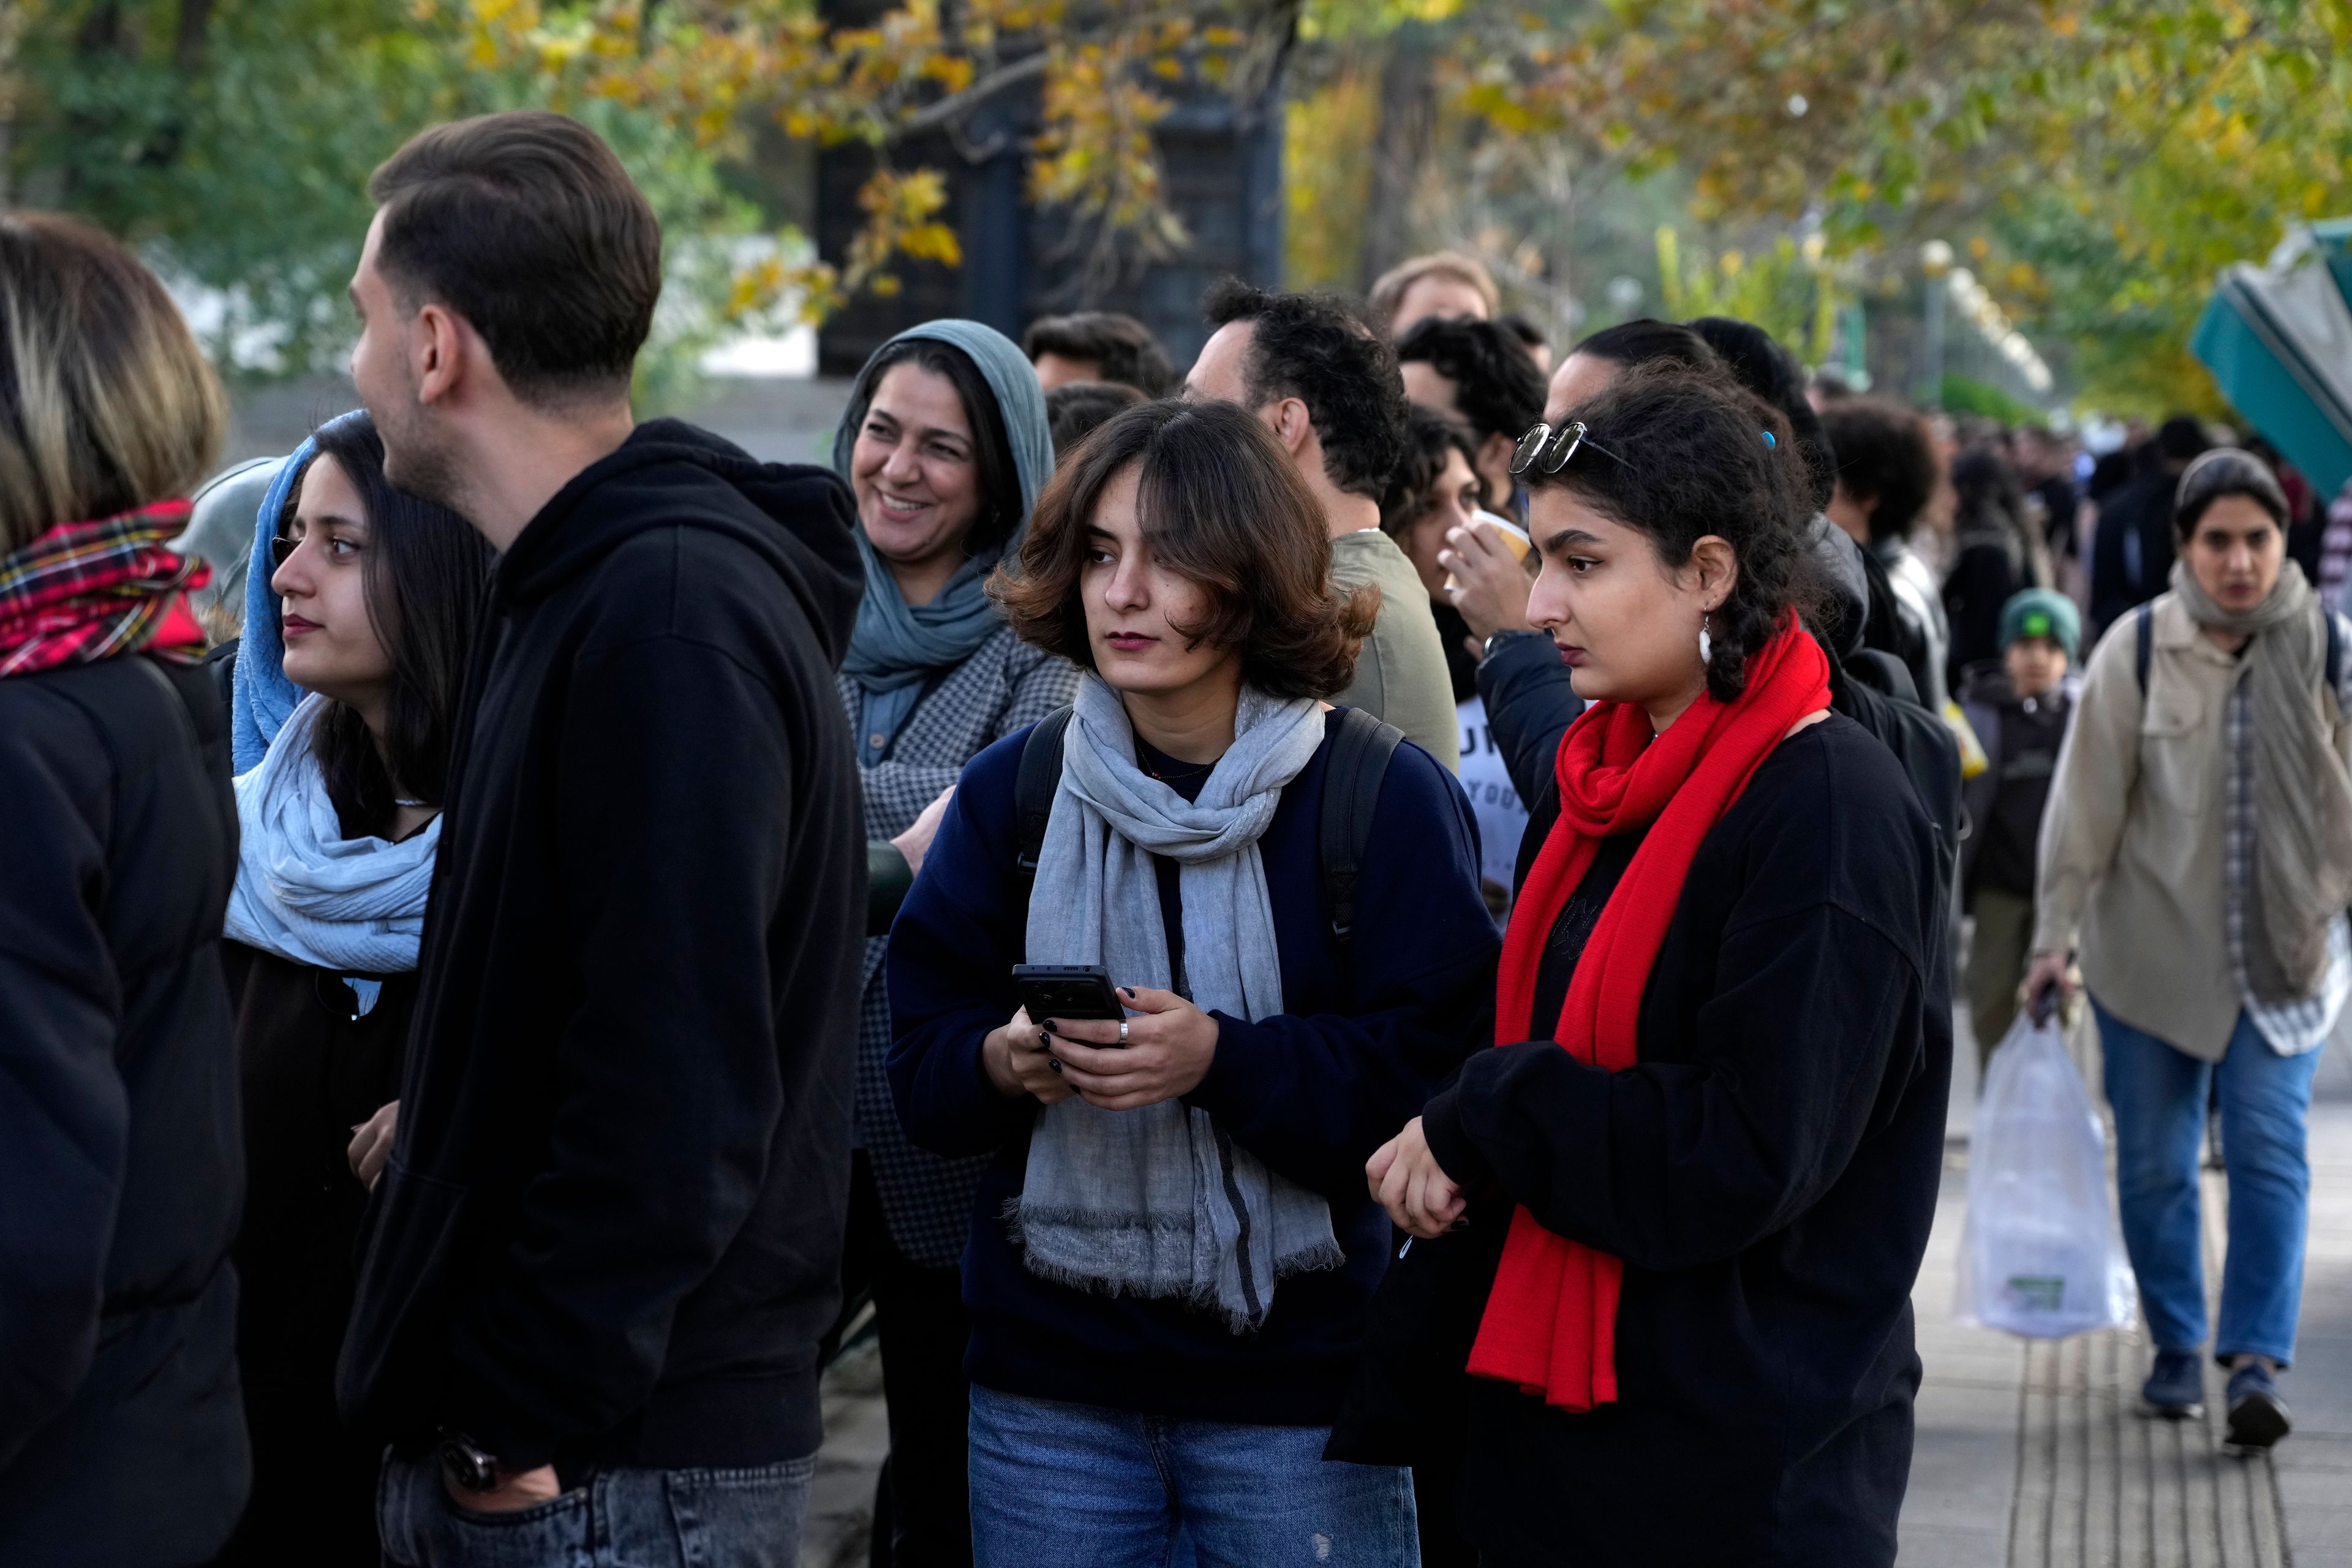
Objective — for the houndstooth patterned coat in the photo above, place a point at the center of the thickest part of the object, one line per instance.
(1005, 685)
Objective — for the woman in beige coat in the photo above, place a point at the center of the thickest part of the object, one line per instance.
(2198, 851)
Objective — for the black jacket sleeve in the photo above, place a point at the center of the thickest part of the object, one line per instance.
(669, 1085)
(65, 1115)
(1670, 1165)
(1530, 703)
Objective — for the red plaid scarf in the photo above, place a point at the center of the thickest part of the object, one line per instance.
(87, 591)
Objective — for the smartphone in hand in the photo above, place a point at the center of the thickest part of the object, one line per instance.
(1067, 991)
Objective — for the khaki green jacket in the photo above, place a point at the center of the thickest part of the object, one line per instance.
(1401, 674)
(2130, 856)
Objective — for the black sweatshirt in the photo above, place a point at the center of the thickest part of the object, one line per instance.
(1767, 1170)
(611, 1226)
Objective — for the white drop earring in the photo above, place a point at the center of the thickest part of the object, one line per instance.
(1705, 643)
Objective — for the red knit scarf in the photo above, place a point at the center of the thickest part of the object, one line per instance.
(1550, 1324)
(87, 591)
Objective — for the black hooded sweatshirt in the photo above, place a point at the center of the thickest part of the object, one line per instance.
(610, 1230)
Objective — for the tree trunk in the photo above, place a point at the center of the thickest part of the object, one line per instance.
(1408, 115)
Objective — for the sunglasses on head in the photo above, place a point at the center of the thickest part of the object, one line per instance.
(1548, 447)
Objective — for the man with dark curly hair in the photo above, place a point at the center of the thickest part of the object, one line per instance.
(1316, 373)
(1478, 374)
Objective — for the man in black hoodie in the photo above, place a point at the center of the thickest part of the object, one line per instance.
(601, 1256)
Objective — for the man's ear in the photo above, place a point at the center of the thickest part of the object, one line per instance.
(1292, 425)
(437, 354)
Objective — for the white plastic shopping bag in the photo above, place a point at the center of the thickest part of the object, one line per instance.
(2042, 1255)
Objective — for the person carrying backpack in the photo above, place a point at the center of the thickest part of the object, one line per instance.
(2197, 852)
(1172, 1251)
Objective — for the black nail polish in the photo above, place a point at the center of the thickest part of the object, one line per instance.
(1048, 1027)
(1055, 1065)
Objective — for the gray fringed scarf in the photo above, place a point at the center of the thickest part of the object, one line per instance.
(1160, 1202)
(2303, 801)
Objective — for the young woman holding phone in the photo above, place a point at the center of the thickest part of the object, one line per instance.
(1172, 1252)
(1699, 1166)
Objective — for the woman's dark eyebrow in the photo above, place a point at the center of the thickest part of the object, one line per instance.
(333, 519)
(1568, 536)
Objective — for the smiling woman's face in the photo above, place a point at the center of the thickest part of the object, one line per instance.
(331, 643)
(1134, 604)
(1626, 624)
(915, 470)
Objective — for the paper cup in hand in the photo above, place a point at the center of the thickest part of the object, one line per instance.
(1514, 539)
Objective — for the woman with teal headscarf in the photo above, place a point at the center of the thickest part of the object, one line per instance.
(946, 445)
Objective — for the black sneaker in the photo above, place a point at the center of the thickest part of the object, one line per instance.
(2258, 1416)
(2175, 1388)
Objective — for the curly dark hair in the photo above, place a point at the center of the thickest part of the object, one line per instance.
(1692, 459)
(1319, 349)
(1884, 457)
(1496, 388)
(1121, 348)
(1428, 437)
(1222, 505)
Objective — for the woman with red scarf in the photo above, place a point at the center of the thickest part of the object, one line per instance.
(122, 1435)
(1700, 1164)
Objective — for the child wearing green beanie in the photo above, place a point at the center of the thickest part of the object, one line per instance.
(2020, 709)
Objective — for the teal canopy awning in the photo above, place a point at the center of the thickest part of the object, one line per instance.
(2278, 339)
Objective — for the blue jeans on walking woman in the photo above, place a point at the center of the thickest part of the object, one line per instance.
(1079, 1486)
(2159, 1096)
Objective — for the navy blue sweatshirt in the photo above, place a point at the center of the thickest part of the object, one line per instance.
(1369, 1032)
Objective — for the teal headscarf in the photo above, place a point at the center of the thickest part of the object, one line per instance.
(895, 645)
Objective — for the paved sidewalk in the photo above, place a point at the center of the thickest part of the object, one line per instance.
(2032, 1454)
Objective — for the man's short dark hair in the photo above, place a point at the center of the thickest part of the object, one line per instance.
(1121, 348)
(2181, 437)
(1074, 408)
(1526, 331)
(1645, 339)
(526, 225)
(1318, 349)
(1496, 388)
(1883, 455)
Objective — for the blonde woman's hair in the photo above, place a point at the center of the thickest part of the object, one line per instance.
(106, 403)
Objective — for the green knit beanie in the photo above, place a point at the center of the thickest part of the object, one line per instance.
(2042, 613)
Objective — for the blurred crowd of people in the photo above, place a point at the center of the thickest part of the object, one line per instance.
(1352, 947)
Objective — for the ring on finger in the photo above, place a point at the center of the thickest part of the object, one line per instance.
(1122, 1031)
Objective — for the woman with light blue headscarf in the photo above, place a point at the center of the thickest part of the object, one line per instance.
(361, 605)
(946, 445)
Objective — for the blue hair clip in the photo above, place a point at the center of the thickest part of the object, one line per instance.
(1768, 439)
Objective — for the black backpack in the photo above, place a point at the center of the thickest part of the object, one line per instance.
(1351, 788)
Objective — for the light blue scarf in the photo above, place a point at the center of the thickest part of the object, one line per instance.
(264, 699)
(895, 645)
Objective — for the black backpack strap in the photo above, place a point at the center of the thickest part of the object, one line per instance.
(2144, 629)
(1351, 789)
(1033, 787)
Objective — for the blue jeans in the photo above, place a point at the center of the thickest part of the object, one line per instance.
(2159, 1096)
(1078, 1486)
(614, 1519)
